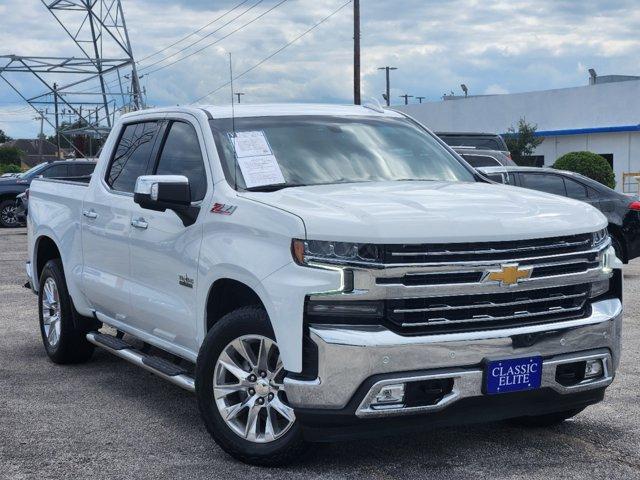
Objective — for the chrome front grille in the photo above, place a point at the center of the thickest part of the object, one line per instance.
(480, 312)
(493, 251)
(433, 289)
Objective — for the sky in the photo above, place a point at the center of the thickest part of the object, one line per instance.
(494, 47)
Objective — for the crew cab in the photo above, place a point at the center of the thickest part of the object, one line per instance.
(322, 272)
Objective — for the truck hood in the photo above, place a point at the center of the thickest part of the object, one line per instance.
(431, 212)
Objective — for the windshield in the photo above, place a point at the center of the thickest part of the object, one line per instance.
(327, 150)
(32, 171)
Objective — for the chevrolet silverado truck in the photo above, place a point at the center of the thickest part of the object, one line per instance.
(315, 273)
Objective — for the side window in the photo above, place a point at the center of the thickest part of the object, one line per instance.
(544, 182)
(496, 177)
(512, 179)
(56, 171)
(181, 155)
(481, 161)
(81, 169)
(575, 189)
(131, 156)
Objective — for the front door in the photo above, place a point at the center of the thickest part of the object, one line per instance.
(106, 222)
(164, 253)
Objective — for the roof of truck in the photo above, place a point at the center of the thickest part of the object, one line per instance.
(281, 109)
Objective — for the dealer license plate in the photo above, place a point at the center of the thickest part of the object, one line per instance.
(513, 375)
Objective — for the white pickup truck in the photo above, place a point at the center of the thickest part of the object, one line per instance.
(315, 273)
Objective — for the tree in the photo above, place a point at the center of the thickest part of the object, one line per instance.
(588, 164)
(4, 137)
(523, 141)
(10, 156)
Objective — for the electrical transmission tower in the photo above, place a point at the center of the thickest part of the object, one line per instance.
(89, 86)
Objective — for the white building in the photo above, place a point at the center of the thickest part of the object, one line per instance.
(603, 117)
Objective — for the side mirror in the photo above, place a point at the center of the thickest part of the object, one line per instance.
(166, 192)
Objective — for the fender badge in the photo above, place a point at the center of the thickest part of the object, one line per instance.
(185, 281)
(223, 209)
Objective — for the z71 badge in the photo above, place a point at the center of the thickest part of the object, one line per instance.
(223, 209)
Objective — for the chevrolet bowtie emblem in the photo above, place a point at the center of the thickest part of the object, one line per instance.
(508, 274)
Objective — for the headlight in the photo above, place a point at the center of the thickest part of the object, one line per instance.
(341, 253)
(599, 237)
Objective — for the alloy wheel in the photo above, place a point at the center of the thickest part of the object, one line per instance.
(248, 389)
(51, 312)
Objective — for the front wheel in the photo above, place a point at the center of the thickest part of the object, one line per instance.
(240, 391)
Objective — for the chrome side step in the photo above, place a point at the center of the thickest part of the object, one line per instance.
(156, 365)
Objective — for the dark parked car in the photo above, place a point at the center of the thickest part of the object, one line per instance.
(481, 141)
(485, 158)
(622, 210)
(11, 187)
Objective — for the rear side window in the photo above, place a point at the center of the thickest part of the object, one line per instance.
(481, 161)
(181, 155)
(131, 156)
(544, 182)
(56, 171)
(575, 189)
(81, 169)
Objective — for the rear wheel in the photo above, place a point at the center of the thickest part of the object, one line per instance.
(240, 391)
(64, 341)
(548, 420)
(8, 214)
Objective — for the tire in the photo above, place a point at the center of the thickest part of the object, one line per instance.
(544, 421)
(248, 328)
(7, 214)
(63, 340)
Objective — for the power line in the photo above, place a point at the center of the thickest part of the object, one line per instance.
(146, 67)
(310, 29)
(220, 39)
(192, 33)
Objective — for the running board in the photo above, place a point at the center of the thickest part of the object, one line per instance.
(156, 365)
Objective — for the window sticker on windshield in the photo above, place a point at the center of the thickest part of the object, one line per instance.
(250, 144)
(260, 170)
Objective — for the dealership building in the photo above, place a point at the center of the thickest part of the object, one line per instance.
(602, 117)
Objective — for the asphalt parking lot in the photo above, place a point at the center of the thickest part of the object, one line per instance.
(109, 419)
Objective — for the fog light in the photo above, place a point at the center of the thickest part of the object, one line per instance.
(593, 369)
(390, 394)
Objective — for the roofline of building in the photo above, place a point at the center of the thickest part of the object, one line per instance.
(583, 131)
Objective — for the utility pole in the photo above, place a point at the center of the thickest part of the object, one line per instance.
(55, 103)
(41, 135)
(239, 94)
(387, 69)
(356, 52)
(420, 99)
(406, 98)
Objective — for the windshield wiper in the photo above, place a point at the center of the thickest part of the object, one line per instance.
(274, 188)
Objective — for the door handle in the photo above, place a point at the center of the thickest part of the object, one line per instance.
(139, 223)
(89, 214)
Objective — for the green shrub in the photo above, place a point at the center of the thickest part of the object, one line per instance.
(588, 164)
(11, 168)
(10, 155)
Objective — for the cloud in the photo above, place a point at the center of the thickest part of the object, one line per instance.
(493, 46)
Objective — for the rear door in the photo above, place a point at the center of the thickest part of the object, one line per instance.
(164, 253)
(106, 222)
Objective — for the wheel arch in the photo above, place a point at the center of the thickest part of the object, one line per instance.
(45, 249)
(227, 294)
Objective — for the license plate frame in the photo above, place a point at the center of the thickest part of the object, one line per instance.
(509, 375)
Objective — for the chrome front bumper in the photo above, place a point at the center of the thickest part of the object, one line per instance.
(349, 356)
